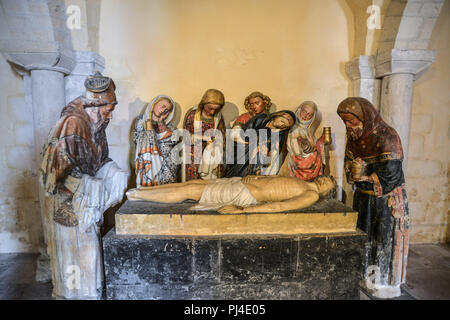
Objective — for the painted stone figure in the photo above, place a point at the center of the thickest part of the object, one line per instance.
(207, 128)
(258, 154)
(373, 162)
(255, 103)
(80, 182)
(155, 163)
(241, 195)
(306, 153)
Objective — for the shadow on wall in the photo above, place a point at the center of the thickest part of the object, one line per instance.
(24, 220)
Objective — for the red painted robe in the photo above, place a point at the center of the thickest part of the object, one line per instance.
(310, 167)
(192, 168)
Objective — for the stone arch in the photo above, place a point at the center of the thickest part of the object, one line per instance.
(408, 24)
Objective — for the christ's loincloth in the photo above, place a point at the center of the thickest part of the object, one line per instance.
(225, 191)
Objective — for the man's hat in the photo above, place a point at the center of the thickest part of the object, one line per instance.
(97, 83)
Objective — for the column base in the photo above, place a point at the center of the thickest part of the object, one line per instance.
(381, 291)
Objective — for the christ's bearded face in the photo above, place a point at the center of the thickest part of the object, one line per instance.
(282, 122)
(353, 125)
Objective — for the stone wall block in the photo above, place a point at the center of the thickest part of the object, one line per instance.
(428, 233)
(19, 110)
(24, 134)
(20, 157)
(416, 146)
(431, 9)
(410, 28)
(417, 212)
(412, 9)
(422, 123)
(424, 168)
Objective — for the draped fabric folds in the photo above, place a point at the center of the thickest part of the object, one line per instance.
(261, 157)
(383, 204)
(155, 163)
(306, 153)
(80, 182)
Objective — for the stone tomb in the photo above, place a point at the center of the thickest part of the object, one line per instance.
(166, 251)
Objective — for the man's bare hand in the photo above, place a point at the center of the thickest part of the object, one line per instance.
(230, 209)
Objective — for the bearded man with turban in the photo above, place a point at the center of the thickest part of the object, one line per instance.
(80, 182)
(207, 128)
(373, 162)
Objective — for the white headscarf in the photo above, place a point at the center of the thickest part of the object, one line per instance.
(301, 128)
(149, 109)
(148, 139)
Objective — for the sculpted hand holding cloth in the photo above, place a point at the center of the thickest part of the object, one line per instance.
(155, 164)
(80, 182)
(380, 198)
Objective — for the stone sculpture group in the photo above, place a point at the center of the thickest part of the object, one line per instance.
(232, 171)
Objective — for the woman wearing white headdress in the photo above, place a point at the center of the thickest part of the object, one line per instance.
(155, 164)
(305, 151)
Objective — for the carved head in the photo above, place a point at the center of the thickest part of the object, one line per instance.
(257, 103)
(212, 102)
(327, 186)
(282, 120)
(161, 109)
(102, 90)
(352, 114)
(307, 110)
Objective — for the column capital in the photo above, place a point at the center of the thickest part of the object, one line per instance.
(393, 61)
(362, 67)
(58, 61)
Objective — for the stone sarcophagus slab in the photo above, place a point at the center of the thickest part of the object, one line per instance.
(155, 258)
(150, 218)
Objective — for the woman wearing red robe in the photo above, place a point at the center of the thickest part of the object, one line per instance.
(305, 151)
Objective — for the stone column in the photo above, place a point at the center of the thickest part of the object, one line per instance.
(45, 91)
(361, 71)
(48, 99)
(398, 69)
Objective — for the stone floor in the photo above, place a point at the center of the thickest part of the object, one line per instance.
(428, 276)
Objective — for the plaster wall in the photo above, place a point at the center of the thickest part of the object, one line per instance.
(427, 173)
(290, 50)
(20, 221)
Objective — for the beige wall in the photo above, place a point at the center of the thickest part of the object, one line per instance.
(429, 153)
(290, 50)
